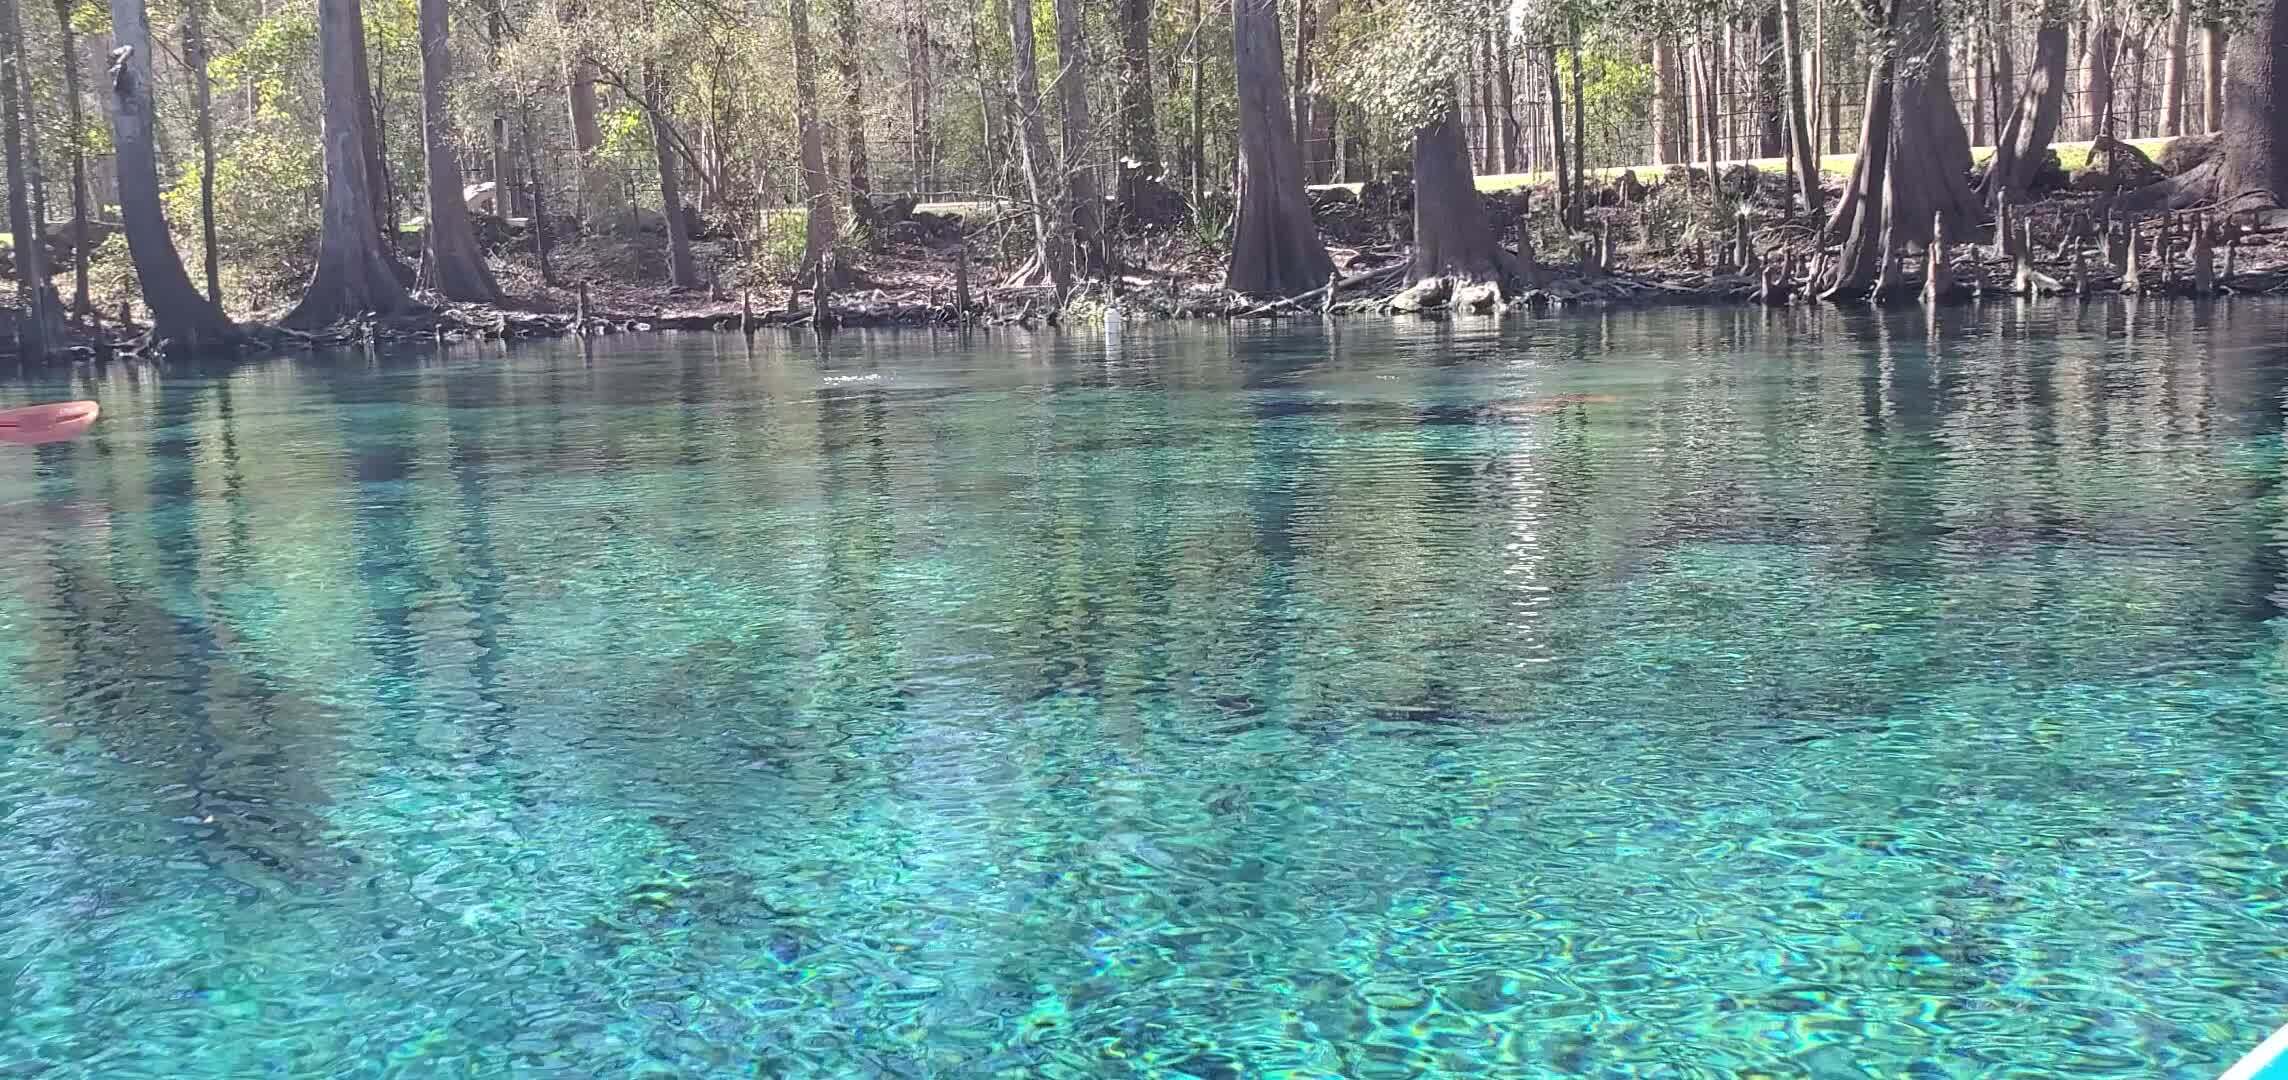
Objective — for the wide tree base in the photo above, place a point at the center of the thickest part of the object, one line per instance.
(2209, 186)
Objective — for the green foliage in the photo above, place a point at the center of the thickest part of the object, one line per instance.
(1211, 220)
(777, 251)
(277, 61)
(267, 187)
(626, 135)
(89, 17)
(1616, 93)
(1398, 61)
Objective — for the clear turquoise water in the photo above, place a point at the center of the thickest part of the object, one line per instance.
(1654, 695)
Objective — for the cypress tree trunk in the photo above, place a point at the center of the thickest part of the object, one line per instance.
(2249, 170)
(2173, 77)
(508, 197)
(1275, 248)
(2005, 63)
(41, 326)
(1140, 133)
(179, 314)
(1489, 150)
(1556, 138)
(2033, 123)
(681, 271)
(371, 132)
(853, 106)
(202, 113)
(1929, 159)
(354, 274)
(457, 267)
(1799, 129)
(1452, 237)
(920, 93)
(2099, 42)
(1858, 217)
(1052, 243)
(818, 230)
(1084, 200)
(1771, 85)
(1666, 123)
(596, 198)
(1197, 148)
(1505, 59)
(539, 203)
(1979, 91)
(2212, 76)
(1306, 31)
(78, 146)
(1579, 205)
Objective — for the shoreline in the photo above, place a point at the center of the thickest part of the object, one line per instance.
(1776, 277)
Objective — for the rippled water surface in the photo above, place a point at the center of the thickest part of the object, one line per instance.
(1655, 695)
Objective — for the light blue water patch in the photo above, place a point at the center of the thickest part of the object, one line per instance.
(1704, 694)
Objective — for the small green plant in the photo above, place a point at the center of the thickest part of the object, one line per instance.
(1211, 219)
(779, 238)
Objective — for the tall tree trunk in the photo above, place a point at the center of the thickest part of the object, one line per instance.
(370, 134)
(1712, 106)
(1557, 154)
(457, 267)
(597, 197)
(1505, 61)
(1140, 133)
(1197, 148)
(539, 204)
(354, 273)
(1913, 165)
(2033, 124)
(507, 198)
(682, 272)
(1930, 152)
(1771, 84)
(1815, 65)
(1580, 139)
(920, 95)
(853, 73)
(2249, 170)
(1052, 242)
(1798, 127)
(40, 327)
(2173, 78)
(1667, 124)
(818, 230)
(1979, 88)
(2212, 76)
(1489, 153)
(1720, 87)
(1859, 219)
(1452, 236)
(77, 144)
(1275, 249)
(179, 314)
(202, 114)
(2100, 42)
(1084, 200)
(986, 100)
(1306, 31)
(2002, 41)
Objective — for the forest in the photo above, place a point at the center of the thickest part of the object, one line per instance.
(202, 175)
